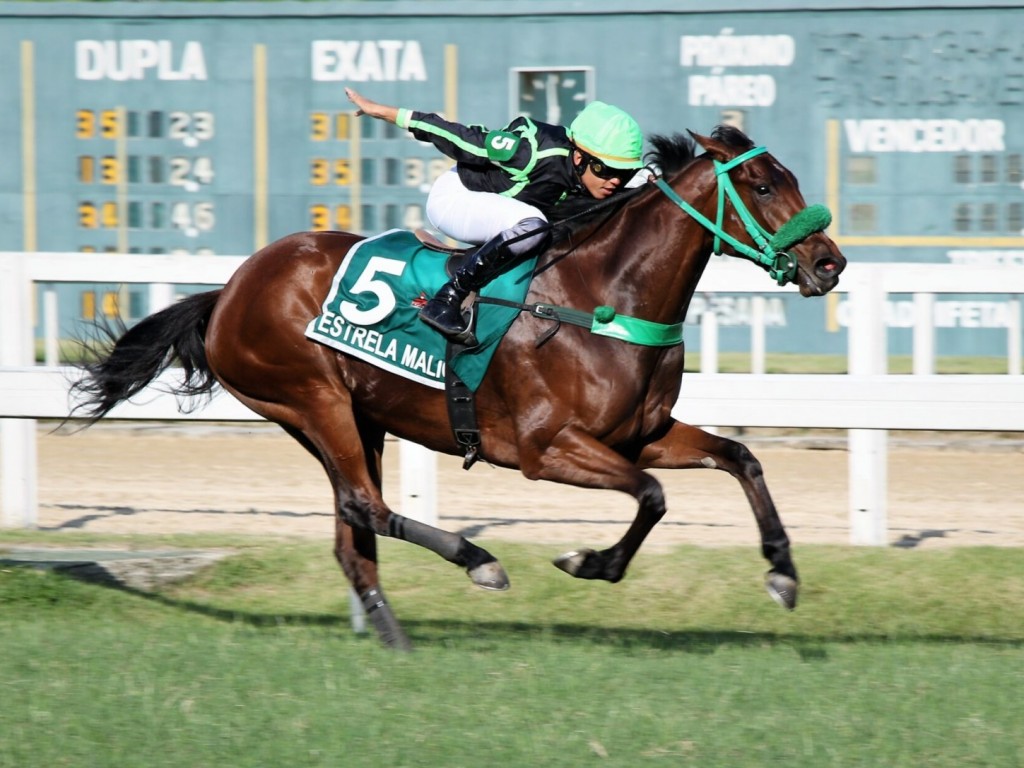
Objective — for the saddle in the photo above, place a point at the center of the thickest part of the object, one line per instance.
(457, 255)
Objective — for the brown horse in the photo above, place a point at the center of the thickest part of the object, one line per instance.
(581, 409)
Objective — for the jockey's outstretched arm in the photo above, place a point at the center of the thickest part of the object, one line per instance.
(371, 108)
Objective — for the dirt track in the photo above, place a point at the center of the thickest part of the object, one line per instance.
(159, 478)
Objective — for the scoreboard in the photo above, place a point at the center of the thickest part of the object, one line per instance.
(186, 145)
(215, 128)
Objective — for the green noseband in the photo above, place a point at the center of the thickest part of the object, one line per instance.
(770, 251)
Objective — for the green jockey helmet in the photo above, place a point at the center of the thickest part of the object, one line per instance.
(609, 134)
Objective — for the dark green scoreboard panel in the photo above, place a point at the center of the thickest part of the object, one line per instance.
(218, 127)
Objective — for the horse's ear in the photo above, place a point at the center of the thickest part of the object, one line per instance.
(716, 149)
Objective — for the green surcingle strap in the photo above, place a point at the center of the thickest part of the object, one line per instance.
(605, 321)
(634, 330)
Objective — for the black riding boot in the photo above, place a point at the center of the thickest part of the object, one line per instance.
(443, 313)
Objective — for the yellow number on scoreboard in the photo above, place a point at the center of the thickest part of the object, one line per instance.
(86, 169)
(322, 217)
(85, 124)
(319, 216)
(318, 171)
(110, 304)
(110, 124)
(343, 217)
(87, 216)
(321, 124)
(88, 126)
(110, 170)
(108, 215)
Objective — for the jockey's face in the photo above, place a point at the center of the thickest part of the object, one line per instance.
(596, 186)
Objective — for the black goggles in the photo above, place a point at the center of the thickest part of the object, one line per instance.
(606, 172)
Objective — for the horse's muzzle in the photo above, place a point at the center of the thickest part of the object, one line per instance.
(824, 272)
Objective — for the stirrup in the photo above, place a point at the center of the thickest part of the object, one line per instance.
(458, 327)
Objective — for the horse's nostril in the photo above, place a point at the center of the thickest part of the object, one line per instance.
(828, 267)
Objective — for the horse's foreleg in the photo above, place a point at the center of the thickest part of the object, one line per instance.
(686, 447)
(575, 458)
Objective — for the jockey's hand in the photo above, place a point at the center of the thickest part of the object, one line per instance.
(371, 108)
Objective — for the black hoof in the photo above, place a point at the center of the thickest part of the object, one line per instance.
(572, 562)
(588, 564)
(782, 589)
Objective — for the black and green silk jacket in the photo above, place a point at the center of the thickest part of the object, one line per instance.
(527, 160)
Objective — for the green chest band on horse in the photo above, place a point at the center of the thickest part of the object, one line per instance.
(605, 321)
(770, 252)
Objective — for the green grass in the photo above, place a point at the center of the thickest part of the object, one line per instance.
(894, 658)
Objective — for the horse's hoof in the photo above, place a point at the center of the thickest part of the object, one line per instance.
(490, 576)
(571, 562)
(783, 589)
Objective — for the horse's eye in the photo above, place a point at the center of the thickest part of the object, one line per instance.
(762, 189)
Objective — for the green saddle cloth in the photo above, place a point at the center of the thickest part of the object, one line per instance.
(372, 310)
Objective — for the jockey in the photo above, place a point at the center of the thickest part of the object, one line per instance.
(504, 184)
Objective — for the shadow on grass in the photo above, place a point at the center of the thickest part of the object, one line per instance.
(481, 634)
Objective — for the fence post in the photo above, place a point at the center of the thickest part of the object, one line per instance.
(757, 334)
(418, 482)
(924, 334)
(18, 468)
(1013, 340)
(868, 355)
(51, 328)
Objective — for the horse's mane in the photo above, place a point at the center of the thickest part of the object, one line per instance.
(668, 155)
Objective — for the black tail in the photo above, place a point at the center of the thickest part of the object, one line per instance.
(143, 352)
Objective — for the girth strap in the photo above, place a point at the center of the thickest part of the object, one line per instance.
(461, 409)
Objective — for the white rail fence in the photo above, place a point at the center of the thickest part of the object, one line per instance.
(867, 402)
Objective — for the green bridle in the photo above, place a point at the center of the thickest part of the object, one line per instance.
(770, 251)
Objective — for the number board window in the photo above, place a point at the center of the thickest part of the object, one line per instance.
(862, 169)
(551, 95)
(962, 169)
(1014, 169)
(989, 217)
(989, 171)
(156, 124)
(368, 171)
(156, 169)
(392, 171)
(134, 169)
(368, 129)
(369, 217)
(863, 218)
(962, 217)
(1015, 218)
(133, 129)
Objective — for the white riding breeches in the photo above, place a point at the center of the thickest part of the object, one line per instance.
(473, 217)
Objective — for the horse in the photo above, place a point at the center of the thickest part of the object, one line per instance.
(557, 402)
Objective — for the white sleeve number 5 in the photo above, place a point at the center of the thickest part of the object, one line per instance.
(368, 283)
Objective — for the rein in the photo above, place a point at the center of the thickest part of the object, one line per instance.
(769, 252)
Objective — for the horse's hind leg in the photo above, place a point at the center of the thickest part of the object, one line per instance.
(356, 552)
(351, 452)
(687, 447)
(355, 549)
